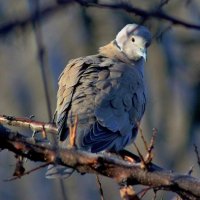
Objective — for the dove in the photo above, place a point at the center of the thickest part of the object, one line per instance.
(106, 92)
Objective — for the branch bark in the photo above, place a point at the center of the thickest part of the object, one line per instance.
(108, 165)
(28, 123)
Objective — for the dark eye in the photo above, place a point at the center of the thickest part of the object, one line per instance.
(133, 39)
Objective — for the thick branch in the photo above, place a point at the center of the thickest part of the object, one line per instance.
(103, 164)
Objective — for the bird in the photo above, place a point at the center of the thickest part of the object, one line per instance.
(107, 93)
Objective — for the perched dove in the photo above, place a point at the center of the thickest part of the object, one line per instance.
(107, 93)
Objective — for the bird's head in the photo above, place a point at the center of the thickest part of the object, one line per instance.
(133, 41)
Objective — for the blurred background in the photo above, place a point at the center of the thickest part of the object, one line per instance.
(37, 39)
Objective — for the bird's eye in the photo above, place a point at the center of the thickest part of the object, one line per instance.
(133, 39)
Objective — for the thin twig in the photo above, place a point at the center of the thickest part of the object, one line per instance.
(143, 138)
(140, 156)
(100, 187)
(26, 173)
(28, 123)
(41, 55)
(149, 155)
(197, 154)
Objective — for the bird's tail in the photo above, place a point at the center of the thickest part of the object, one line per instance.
(58, 171)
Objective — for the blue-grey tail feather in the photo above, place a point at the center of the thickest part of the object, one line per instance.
(99, 138)
(58, 171)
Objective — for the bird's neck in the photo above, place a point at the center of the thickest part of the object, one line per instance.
(112, 51)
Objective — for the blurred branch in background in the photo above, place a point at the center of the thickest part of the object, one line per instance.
(43, 64)
(42, 54)
(114, 167)
(47, 11)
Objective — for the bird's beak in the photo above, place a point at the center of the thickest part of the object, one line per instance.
(143, 53)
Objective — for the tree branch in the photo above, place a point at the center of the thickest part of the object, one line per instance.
(28, 123)
(157, 13)
(47, 11)
(102, 164)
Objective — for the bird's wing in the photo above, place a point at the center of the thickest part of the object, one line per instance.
(68, 82)
(120, 102)
(118, 106)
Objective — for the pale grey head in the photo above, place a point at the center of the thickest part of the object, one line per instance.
(133, 41)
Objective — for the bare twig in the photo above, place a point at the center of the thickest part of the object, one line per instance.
(149, 155)
(27, 172)
(142, 137)
(28, 123)
(100, 187)
(142, 164)
(41, 54)
(197, 154)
